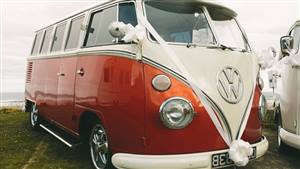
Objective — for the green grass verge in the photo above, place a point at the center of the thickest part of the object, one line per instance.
(18, 144)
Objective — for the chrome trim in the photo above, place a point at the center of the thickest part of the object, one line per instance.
(166, 69)
(169, 100)
(224, 89)
(261, 107)
(84, 52)
(55, 135)
(221, 115)
(211, 25)
(244, 115)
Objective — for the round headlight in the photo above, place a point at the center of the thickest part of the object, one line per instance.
(176, 113)
(161, 83)
(260, 82)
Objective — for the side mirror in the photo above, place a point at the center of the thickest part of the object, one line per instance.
(286, 44)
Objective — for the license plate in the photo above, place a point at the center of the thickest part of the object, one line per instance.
(222, 159)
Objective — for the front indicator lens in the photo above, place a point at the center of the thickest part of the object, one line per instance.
(176, 113)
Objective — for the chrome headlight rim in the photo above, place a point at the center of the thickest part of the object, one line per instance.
(261, 83)
(174, 126)
(262, 109)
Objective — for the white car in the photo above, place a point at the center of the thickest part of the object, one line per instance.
(287, 90)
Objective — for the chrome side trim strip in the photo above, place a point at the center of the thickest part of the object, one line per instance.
(84, 53)
(244, 115)
(221, 115)
(55, 135)
(165, 69)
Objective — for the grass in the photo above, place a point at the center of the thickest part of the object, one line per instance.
(18, 144)
(24, 148)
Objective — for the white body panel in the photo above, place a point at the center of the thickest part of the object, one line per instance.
(288, 92)
(204, 64)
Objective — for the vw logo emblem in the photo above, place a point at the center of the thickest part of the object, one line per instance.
(230, 85)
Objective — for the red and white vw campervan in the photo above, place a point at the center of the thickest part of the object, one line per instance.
(130, 102)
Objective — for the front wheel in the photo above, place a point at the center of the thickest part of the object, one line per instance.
(98, 144)
(34, 117)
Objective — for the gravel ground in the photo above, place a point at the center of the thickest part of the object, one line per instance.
(273, 159)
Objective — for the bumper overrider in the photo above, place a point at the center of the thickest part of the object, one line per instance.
(179, 161)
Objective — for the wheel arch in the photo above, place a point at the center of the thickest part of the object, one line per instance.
(28, 105)
(86, 121)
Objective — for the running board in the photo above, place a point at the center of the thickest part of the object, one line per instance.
(58, 135)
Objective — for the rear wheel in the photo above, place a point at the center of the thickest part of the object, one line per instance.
(99, 149)
(34, 118)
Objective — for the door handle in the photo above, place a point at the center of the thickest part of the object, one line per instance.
(60, 74)
(296, 66)
(277, 75)
(80, 72)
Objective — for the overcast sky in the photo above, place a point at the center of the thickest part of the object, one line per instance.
(265, 21)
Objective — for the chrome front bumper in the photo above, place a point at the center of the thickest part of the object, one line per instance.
(180, 161)
(290, 139)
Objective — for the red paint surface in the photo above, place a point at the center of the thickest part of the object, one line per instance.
(119, 91)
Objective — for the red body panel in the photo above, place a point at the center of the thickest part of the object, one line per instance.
(66, 92)
(200, 136)
(119, 91)
(114, 88)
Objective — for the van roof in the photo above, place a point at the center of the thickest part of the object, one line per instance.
(208, 3)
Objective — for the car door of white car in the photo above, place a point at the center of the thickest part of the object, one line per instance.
(289, 87)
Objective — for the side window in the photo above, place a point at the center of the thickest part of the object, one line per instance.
(296, 35)
(58, 37)
(74, 33)
(36, 44)
(46, 41)
(97, 33)
(127, 13)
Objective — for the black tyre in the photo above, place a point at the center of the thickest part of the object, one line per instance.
(99, 147)
(34, 118)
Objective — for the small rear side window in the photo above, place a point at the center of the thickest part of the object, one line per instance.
(36, 44)
(74, 34)
(58, 37)
(46, 41)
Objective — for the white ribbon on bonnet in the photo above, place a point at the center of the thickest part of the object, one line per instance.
(239, 150)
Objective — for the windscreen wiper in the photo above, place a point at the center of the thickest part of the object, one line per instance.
(189, 45)
(221, 46)
(224, 47)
